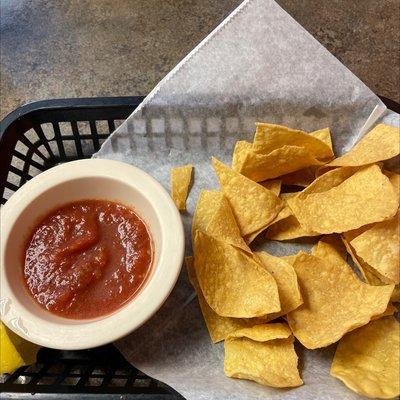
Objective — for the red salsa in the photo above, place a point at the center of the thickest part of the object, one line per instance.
(87, 258)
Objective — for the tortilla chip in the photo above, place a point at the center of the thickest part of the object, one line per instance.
(218, 327)
(363, 198)
(264, 354)
(381, 143)
(214, 216)
(270, 137)
(239, 154)
(232, 282)
(181, 178)
(253, 206)
(379, 247)
(284, 160)
(324, 135)
(329, 180)
(286, 279)
(335, 301)
(274, 185)
(367, 359)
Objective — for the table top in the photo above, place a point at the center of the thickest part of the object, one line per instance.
(73, 48)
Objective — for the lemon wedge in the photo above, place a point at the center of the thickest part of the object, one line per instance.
(15, 351)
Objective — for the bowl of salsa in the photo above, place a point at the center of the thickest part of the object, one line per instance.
(90, 250)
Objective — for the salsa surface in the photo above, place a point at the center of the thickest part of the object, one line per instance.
(87, 258)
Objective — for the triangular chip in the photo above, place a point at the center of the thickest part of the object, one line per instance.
(254, 206)
(379, 247)
(381, 143)
(367, 359)
(365, 197)
(214, 216)
(239, 154)
(232, 282)
(180, 183)
(264, 354)
(218, 327)
(269, 137)
(284, 160)
(335, 301)
(286, 279)
(324, 135)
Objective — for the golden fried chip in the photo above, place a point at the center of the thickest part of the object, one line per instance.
(253, 206)
(232, 282)
(239, 154)
(381, 143)
(286, 279)
(284, 160)
(218, 327)
(367, 359)
(329, 180)
(269, 137)
(324, 135)
(264, 354)
(379, 247)
(335, 301)
(214, 216)
(180, 183)
(274, 185)
(363, 198)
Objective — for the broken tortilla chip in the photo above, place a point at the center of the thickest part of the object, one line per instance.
(181, 178)
(253, 206)
(264, 354)
(365, 197)
(367, 360)
(335, 301)
(222, 268)
(381, 143)
(270, 137)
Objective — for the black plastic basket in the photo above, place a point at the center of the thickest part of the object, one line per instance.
(34, 138)
(37, 137)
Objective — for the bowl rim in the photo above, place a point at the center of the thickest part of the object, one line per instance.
(84, 334)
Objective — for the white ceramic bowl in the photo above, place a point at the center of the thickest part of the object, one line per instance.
(78, 180)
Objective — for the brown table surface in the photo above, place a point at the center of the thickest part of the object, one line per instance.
(85, 48)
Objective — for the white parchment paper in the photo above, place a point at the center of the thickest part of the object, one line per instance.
(258, 65)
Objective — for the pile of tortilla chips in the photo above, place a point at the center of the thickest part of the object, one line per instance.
(285, 185)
